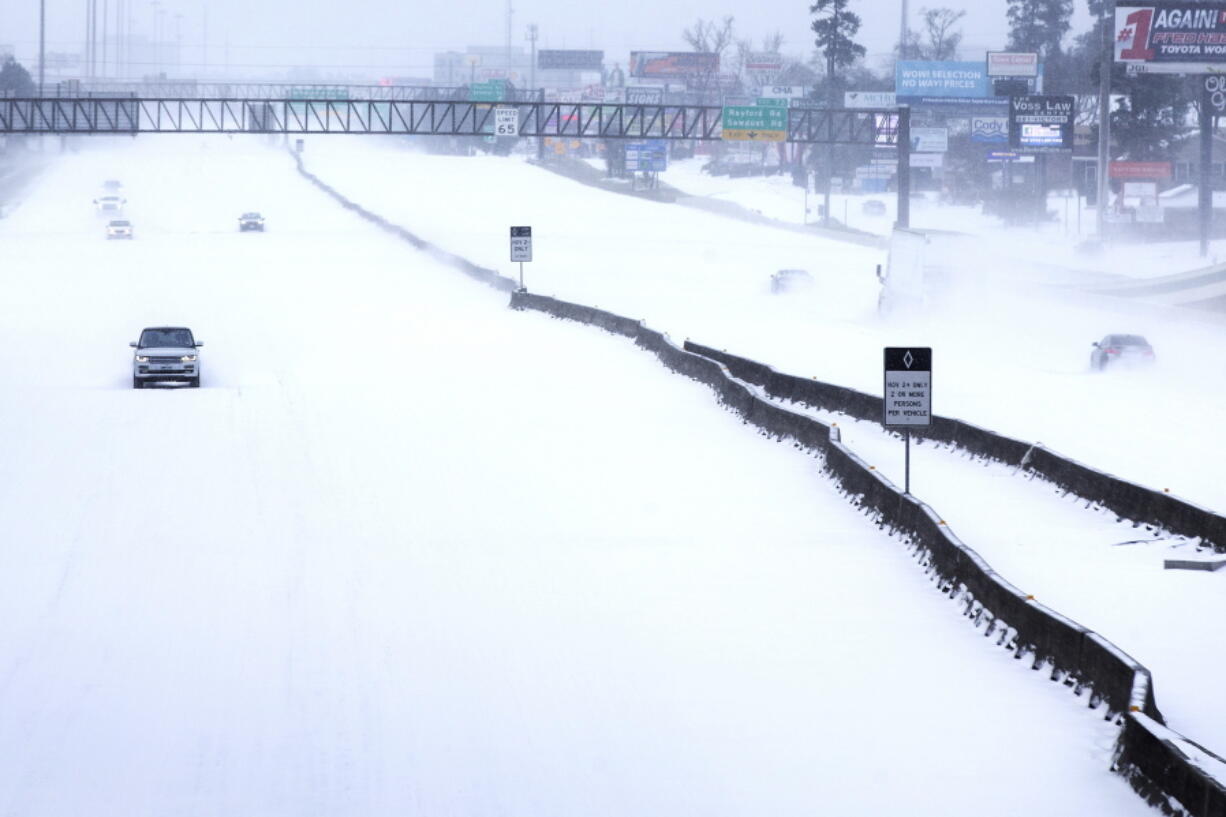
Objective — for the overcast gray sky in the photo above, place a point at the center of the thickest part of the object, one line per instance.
(381, 37)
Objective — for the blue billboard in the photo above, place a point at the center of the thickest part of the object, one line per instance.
(922, 82)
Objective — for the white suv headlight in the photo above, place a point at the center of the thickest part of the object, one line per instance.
(142, 359)
(187, 358)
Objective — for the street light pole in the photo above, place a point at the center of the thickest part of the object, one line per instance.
(1104, 122)
(42, 43)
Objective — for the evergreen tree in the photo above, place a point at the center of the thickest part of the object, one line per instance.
(1039, 25)
(835, 27)
(15, 80)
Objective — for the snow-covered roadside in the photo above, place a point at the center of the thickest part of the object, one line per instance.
(408, 552)
(1011, 360)
(1105, 574)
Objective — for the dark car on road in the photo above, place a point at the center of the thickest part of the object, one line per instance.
(1116, 349)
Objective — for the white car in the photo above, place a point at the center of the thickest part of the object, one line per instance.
(118, 228)
(110, 204)
(166, 353)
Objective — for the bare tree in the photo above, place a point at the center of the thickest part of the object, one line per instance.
(709, 37)
(942, 40)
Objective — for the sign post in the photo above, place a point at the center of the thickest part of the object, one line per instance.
(521, 249)
(907, 399)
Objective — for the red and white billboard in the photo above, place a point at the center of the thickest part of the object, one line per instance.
(1140, 170)
(1013, 64)
(1171, 37)
(662, 64)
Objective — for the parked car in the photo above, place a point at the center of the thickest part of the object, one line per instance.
(873, 207)
(1116, 349)
(110, 203)
(790, 280)
(166, 353)
(118, 228)
(251, 221)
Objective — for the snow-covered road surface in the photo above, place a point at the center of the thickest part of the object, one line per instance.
(408, 552)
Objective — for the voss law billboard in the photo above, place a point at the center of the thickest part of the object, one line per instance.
(1171, 38)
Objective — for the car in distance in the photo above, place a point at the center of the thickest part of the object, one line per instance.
(790, 280)
(166, 353)
(110, 203)
(873, 207)
(1116, 349)
(118, 228)
(251, 221)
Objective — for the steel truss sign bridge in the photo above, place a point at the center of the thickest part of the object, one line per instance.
(57, 115)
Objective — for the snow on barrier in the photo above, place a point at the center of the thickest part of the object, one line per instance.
(482, 274)
(1172, 772)
(1142, 506)
(1169, 770)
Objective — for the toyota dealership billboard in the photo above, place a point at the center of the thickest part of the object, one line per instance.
(1171, 38)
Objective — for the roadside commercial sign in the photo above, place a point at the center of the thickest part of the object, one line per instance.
(521, 244)
(1140, 170)
(1171, 37)
(929, 140)
(672, 63)
(992, 130)
(764, 61)
(1013, 64)
(1141, 190)
(644, 95)
(924, 82)
(1041, 124)
(506, 122)
(929, 160)
(751, 123)
(773, 102)
(869, 99)
(1213, 94)
(782, 91)
(569, 60)
(908, 386)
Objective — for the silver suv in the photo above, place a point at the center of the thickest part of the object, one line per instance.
(166, 353)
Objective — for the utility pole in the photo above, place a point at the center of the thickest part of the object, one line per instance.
(831, 51)
(510, 12)
(531, 38)
(42, 44)
(105, 13)
(1104, 121)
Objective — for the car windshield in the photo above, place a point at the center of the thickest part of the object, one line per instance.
(119, 224)
(251, 215)
(166, 337)
(1126, 340)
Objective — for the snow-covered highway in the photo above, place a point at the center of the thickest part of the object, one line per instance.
(409, 552)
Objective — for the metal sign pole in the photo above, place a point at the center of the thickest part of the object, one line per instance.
(907, 476)
(521, 274)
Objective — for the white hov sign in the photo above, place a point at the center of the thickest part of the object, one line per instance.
(908, 386)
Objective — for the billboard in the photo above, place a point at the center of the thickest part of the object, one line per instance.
(991, 130)
(923, 82)
(1139, 170)
(569, 60)
(1040, 124)
(929, 140)
(1171, 37)
(644, 95)
(869, 99)
(1013, 64)
(663, 64)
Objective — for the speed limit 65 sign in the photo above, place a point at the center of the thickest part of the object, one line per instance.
(506, 122)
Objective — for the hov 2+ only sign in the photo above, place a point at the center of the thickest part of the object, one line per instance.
(521, 244)
(908, 386)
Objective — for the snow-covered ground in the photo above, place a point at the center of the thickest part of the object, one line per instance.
(409, 552)
(1006, 357)
(1061, 238)
(1077, 560)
